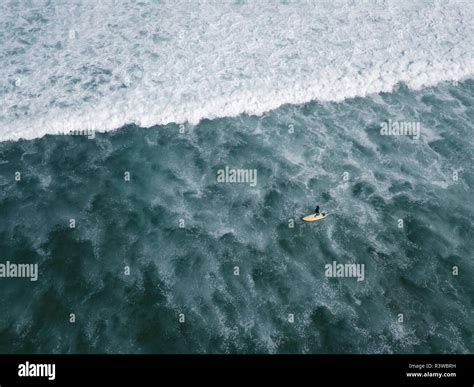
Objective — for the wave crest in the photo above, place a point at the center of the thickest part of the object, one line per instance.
(101, 66)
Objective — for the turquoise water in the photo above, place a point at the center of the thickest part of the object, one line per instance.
(327, 153)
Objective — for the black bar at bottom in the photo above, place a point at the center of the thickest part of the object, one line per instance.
(448, 370)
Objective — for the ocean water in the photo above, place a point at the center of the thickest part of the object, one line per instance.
(172, 93)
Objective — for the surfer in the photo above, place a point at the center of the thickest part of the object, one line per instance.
(316, 211)
(316, 216)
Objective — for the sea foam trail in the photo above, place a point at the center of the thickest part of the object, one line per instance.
(97, 66)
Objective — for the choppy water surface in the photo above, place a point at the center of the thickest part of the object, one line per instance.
(331, 153)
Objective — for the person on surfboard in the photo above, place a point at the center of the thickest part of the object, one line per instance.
(316, 211)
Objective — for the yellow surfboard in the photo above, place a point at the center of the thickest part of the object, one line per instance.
(313, 217)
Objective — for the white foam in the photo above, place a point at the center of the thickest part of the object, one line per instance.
(100, 65)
